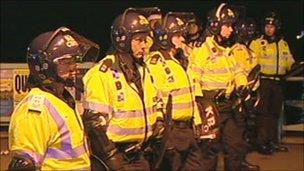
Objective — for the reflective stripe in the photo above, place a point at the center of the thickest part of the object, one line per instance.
(264, 67)
(197, 69)
(133, 113)
(38, 158)
(236, 68)
(269, 67)
(178, 106)
(113, 129)
(66, 151)
(98, 107)
(214, 84)
(216, 71)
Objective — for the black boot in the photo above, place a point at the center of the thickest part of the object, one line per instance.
(278, 147)
(246, 166)
(265, 149)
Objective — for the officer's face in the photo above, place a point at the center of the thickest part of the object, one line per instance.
(270, 30)
(66, 67)
(178, 41)
(226, 30)
(139, 45)
(193, 28)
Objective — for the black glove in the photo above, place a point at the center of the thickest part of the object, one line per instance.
(115, 160)
(20, 162)
(242, 92)
(158, 129)
(101, 146)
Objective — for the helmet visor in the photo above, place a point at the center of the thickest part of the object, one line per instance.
(66, 42)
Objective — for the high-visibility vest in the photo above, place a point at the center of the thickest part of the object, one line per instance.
(170, 78)
(275, 58)
(245, 57)
(215, 67)
(50, 131)
(247, 60)
(107, 91)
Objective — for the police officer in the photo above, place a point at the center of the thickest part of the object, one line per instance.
(218, 74)
(245, 32)
(245, 107)
(46, 131)
(168, 66)
(275, 59)
(121, 104)
(194, 33)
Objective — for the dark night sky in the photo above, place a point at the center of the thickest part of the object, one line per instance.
(21, 21)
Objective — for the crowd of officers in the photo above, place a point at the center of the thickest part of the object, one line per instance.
(167, 96)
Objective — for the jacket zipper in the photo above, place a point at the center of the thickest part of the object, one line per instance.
(277, 67)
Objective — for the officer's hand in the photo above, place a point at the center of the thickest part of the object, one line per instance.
(158, 129)
(115, 161)
(242, 91)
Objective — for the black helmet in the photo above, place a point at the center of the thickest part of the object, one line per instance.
(173, 24)
(273, 19)
(245, 30)
(194, 27)
(153, 14)
(252, 28)
(223, 14)
(48, 47)
(125, 26)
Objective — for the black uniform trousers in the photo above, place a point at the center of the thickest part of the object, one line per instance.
(182, 152)
(231, 140)
(134, 161)
(268, 111)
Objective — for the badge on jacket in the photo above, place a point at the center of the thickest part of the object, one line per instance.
(213, 49)
(118, 85)
(36, 103)
(167, 70)
(170, 79)
(120, 97)
(107, 63)
(154, 59)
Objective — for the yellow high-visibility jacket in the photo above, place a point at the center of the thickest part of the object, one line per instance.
(170, 77)
(214, 67)
(244, 57)
(275, 58)
(107, 91)
(247, 60)
(50, 131)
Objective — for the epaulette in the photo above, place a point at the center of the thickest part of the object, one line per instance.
(36, 103)
(107, 63)
(154, 59)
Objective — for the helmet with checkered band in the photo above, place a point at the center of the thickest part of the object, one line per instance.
(173, 24)
(125, 26)
(47, 50)
(273, 19)
(223, 14)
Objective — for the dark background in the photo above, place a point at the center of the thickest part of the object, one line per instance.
(21, 21)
